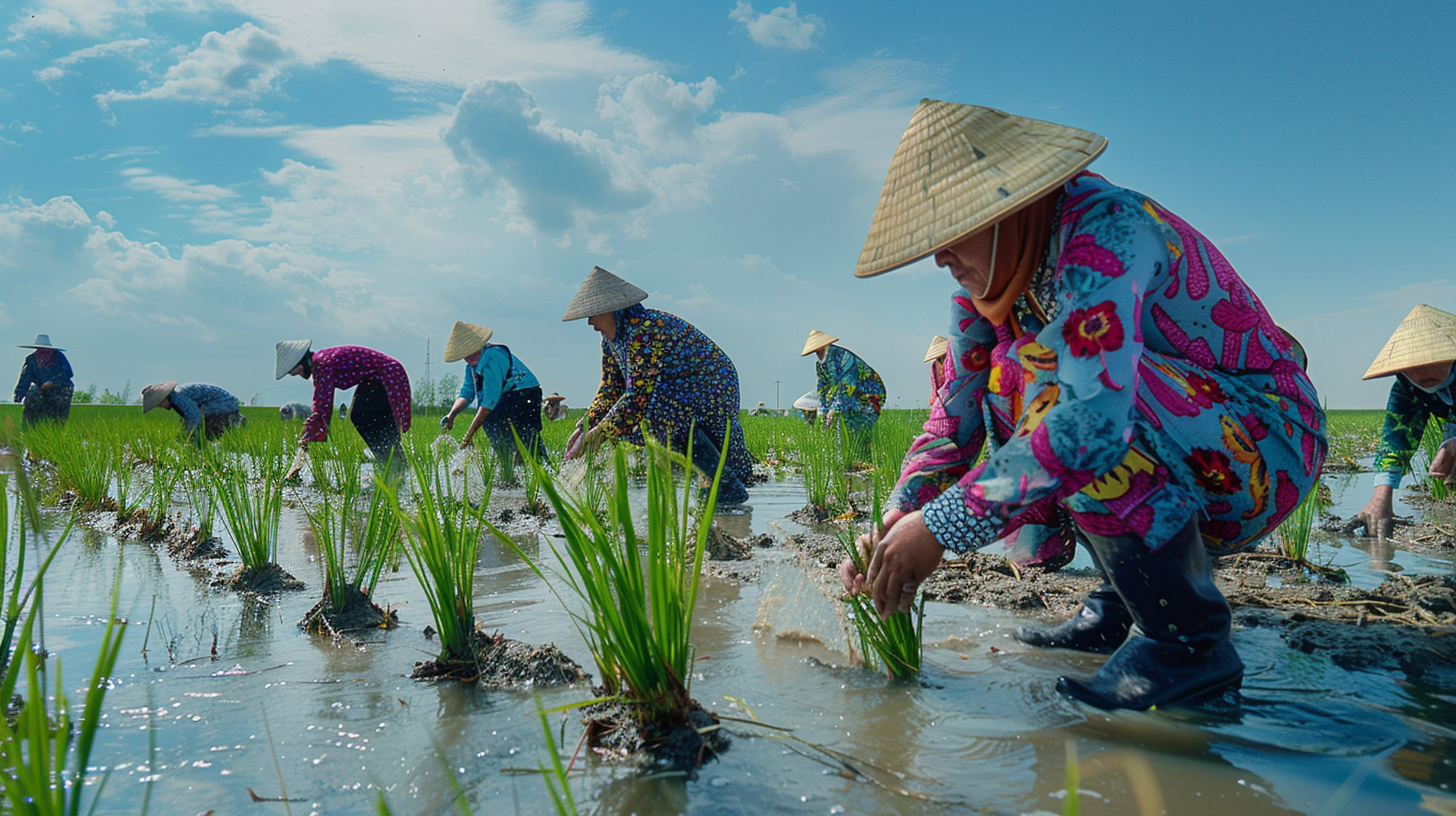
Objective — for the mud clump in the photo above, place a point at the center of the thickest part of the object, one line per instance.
(675, 742)
(268, 579)
(502, 663)
(359, 613)
(722, 546)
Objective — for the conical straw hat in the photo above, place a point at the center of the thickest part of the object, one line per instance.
(817, 340)
(1427, 335)
(600, 293)
(937, 348)
(808, 402)
(153, 395)
(289, 354)
(962, 167)
(465, 340)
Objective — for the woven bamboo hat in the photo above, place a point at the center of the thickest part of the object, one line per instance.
(808, 402)
(1427, 335)
(465, 340)
(290, 353)
(962, 167)
(42, 341)
(937, 348)
(817, 340)
(555, 398)
(153, 395)
(600, 293)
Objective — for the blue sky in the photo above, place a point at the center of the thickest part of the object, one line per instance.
(187, 182)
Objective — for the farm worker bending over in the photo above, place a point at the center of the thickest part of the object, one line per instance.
(1133, 389)
(1419, 355)
(935, 355)
(506, 391)
(848, 388)
(203, 406)
(660, 372)
(556, 407)
(292, 411)
(381, 406)
(45, 383)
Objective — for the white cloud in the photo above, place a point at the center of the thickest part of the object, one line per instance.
(236, 66)
(662, 114)
(780, 28)
(67, 18)
(175, 189)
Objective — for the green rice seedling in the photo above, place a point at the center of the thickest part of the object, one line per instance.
(442, 542)
(201, 498)
(1293, 532)
(1431, 440)
(556, 782)
(820, 462)
(17, 591)
(893, 642)
(249, 492)
(82, 458)
(638, 608)
(1072, 805)
(335, 523)
(42, 776)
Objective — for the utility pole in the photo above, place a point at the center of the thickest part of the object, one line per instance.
(776, 394)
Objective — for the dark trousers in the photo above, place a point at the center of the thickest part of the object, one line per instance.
(374, 419)
(517, 413)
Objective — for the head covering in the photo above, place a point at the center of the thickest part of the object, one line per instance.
(555, 398)
(290, 354)
(808, 402)
(817, 340)
(153, 395)
(937, 349)
(600, 293)
(1427, 335)
(1297, 348)
(962, 167)
(42, 341)
(465, 340)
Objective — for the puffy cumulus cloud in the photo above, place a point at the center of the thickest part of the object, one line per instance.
(558, 179)
(780, 28)
(235, 66)
(660, 112)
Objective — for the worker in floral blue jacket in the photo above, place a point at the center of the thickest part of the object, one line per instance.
(207, 407)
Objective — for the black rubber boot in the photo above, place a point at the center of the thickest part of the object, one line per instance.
(1100, 626)
(705, 458)
(1178, 650)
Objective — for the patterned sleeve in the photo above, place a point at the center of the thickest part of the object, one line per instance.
(840, 370)
(316, 427)
(1081, 369)
(1406, 415)
(187, 407)
(644, 354)
(952, 437)
(608, 392)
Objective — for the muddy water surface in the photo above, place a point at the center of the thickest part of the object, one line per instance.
(327, 724)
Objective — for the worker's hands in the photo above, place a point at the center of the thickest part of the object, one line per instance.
(903, 558)
(447, 422)
(853, 579)
(573, 444)
(46, 386)
(1377, 517)
(828, 418)
(299, 458)
(1444, 462)
(466, 441)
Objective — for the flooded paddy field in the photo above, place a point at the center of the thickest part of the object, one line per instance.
(218, 699)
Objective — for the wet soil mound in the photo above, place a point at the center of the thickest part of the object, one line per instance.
(683, 743)
(268, 579)
(721, 546)
(359, 613)
(504, 663)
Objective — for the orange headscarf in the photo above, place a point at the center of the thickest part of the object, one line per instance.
(1024, 235)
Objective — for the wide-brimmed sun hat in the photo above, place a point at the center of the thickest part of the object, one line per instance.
(937, 348)
(601, 293)
(465, 340)
(290, 354)
(1427, 335)
(153, 395)
(817, 340)
(42, 341)
(555, 398)
(808, 402)
(962, 167)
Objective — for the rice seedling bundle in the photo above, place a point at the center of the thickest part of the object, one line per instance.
(336, 523)
(442, 542)
(892, 642)
(248, 490)
(638, 607)
(1431, 439)
(17, 592)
